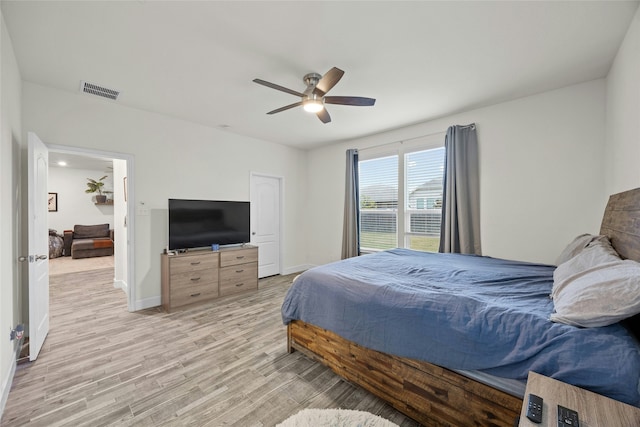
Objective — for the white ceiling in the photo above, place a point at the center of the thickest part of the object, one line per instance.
(420, 60)
(79, 161)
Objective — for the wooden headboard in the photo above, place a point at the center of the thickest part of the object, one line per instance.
(621, 223)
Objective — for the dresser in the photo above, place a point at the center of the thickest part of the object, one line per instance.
(199, 276)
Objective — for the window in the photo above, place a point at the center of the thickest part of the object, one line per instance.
(378, 203)
(401, 198)
(423, 207)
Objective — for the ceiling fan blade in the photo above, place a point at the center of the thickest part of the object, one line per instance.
(277, 87)
(329, 80)
(349, 100)
(324, 116)
(286, 107)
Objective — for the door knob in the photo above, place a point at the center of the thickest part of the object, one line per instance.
(254, 233)
(32, 258)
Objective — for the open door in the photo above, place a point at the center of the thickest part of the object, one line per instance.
(38, 163)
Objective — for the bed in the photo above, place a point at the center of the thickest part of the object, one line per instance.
(458, 350)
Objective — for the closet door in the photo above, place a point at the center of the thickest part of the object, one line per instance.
(265, 222)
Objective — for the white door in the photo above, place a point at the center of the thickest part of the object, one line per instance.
(38, 245)
(265, 223)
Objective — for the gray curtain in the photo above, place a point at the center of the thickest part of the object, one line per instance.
(460, 229)
(351, 225)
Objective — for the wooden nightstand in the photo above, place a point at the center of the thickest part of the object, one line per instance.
(593, 409)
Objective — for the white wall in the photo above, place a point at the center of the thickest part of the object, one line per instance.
(10, 208)
(623, 114)
(74, 205)
(173, 159)
(541, 174)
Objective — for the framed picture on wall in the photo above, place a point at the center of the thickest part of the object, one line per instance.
(53, 202)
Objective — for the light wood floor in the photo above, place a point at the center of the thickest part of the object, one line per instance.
(221, 363)
(66, 264)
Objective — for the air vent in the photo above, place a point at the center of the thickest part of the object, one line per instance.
(99, 90)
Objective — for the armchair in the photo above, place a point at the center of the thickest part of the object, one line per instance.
(87, 241)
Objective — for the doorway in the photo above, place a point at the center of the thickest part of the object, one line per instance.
(121, 169)
(39, 204)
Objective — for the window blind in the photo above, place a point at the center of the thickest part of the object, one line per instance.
(412, 220)
(378, 181)
(423, 198)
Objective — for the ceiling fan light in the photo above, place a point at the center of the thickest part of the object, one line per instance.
(313, 105)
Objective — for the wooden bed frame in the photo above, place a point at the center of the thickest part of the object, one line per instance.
(432, 395)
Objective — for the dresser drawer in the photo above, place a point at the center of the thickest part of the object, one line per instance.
(238, 278)
(182, 264)
(208, 277)
(189, 294)
(238, 256)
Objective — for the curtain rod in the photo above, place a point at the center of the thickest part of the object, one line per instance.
(402, 141)
(470, 125)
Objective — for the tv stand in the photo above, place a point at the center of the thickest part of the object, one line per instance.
(197, 276)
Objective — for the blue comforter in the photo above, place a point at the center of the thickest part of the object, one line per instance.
(464, 312)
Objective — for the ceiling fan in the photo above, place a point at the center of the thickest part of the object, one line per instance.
(313, 98)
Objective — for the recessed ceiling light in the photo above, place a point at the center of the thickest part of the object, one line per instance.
(62, 163)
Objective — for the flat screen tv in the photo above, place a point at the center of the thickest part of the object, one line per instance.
(201, 223)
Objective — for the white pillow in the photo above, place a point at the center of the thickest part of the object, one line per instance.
(599, 296)
(597, 252)
(576, 246)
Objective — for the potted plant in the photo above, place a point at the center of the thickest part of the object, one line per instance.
(95, 186)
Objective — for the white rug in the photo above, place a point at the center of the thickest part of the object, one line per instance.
(335, 418)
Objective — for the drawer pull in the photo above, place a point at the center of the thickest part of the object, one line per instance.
(195, 279)
(195, 263)
(239, 284)
(240, 257)
(239, 271)
(196, 295)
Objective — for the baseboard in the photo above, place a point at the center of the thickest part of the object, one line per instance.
(6, 387)
(150, 302)
(297, 269)
(120, 284)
